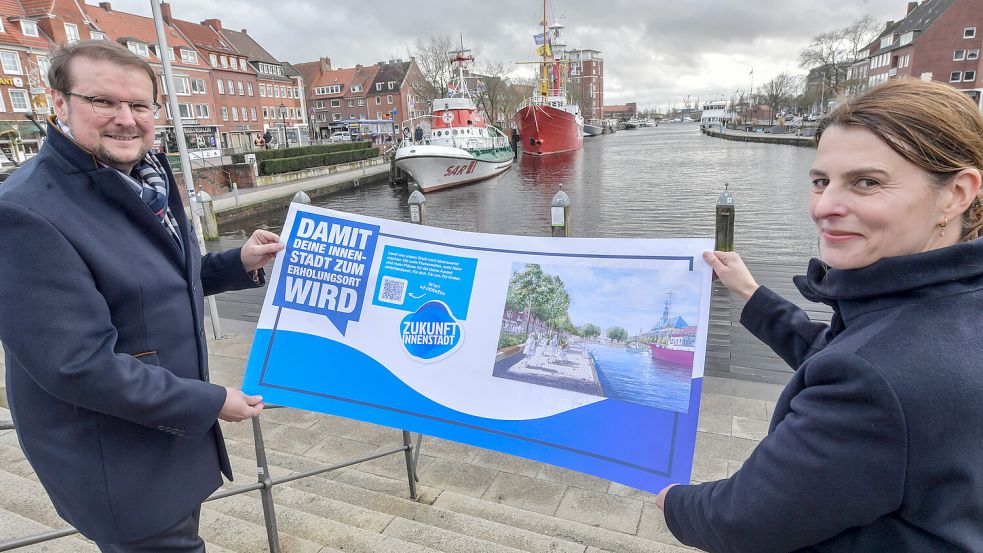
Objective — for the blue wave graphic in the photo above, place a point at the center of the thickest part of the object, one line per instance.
(638, 445)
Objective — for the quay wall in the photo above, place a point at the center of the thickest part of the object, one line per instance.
(741, 136)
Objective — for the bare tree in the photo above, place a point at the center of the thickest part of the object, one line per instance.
(860, 33)
(495, 94)
(826, 51)
(434, 62)
(779, 92)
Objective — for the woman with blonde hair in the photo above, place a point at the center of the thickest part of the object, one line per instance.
(876, 443)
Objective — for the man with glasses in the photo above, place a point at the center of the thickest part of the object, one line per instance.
(101, 315)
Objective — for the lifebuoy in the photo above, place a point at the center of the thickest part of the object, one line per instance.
(448, 117)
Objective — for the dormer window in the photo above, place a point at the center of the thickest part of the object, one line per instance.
(189, 56)
(392, 85)
(378, 87)
(97, 35)
(29, 28)
(356, 88)
(138, 48)
(906, 38)
(887, 41)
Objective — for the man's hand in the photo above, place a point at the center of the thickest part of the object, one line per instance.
(238, 406)
(260, 249)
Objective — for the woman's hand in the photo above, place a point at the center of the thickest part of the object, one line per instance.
(731, 270)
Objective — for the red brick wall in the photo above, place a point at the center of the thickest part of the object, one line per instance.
(218, 180)
(933, 50)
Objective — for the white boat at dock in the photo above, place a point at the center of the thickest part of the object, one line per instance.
(453, 145)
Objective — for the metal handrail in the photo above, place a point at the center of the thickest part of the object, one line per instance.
(264, 485)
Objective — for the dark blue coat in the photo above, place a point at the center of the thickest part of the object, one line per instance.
(876, 443)
(101, 319)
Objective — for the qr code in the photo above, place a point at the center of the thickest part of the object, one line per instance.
(393, 290)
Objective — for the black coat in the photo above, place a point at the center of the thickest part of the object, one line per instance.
(101, 319)
(876, 443)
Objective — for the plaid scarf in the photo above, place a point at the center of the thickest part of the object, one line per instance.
(150, 184)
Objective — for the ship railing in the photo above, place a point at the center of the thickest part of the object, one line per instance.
(539, 101)
(497, 140)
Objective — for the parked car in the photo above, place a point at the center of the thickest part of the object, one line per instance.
(340, 136)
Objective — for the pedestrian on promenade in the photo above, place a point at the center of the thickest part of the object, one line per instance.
(259, 142)
(529, 349)
(101, 315)
(515, 144)
(418, 134)
(876, 442)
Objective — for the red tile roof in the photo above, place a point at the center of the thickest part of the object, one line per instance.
(119, 26)
(204, 37)
(34, 7)
(313, 77)
(12, 34)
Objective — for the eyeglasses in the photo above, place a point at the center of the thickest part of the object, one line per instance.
(108, 107)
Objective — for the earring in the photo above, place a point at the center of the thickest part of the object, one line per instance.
(945, 222)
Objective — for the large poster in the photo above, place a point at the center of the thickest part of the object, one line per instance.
(583, 353)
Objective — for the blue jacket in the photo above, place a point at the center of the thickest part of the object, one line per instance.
(876, 443)
(101, 319)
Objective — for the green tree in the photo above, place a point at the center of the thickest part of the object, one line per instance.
(617, 334)
(590, 331)
(524, 287)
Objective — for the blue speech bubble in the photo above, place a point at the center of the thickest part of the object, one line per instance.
(430, 332)
(326, 267)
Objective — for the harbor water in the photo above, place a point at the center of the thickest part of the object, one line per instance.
(659, 182)
(635, 377)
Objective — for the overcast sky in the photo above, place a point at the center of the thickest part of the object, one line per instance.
(655, 52)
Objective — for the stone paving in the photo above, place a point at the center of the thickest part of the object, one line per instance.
(497, 494)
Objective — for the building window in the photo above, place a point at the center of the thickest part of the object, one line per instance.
(225, 61)
(186, 111)
(201, 110)
(245, 114)
(969, 76)
(262, 90)
(378, 115)
(19, 101)
(232, 87)
(10, 62)
(242, 89)
(378, 86)
(225, 113)
(242, 64)
(266, 113)
(181, 86)
(198, 86)
(351, 103)
(955, 76)
(97, 35)
(276, 91)
(969, 32)
(905, 60)
(220, 86)
(72, 32)
(392, 85)
(235, 114)
(336, 103)
(213, 59)
(249, 88)
(137, 48)
(973, 54)
(959, 55)
(189, 56)
(253, 112)
(43, 64)
(29, 28)
(336, 117)
(378, 100)
(283, 92)
(356, 88)
(361, 102)
(389, 99)
(1, 30)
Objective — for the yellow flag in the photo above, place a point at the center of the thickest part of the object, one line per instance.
(544, 50)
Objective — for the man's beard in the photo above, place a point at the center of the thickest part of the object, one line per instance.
(103, 154)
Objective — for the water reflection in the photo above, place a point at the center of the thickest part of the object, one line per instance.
(657, 182)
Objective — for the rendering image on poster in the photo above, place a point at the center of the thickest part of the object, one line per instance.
(568, 327)
(583, 353)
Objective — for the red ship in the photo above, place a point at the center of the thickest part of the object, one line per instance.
(547, 122)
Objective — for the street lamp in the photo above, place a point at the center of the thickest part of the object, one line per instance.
(283, 118)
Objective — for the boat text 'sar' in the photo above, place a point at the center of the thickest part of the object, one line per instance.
(548, 122)
(454, 144)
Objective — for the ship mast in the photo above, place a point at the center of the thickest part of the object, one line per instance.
(544, 69)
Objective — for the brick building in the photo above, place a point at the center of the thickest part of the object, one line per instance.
(24, 98)
(587, 81)
(237, 108)
(937, 40)
(283, 110)
(392, 96)
(336, 96)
